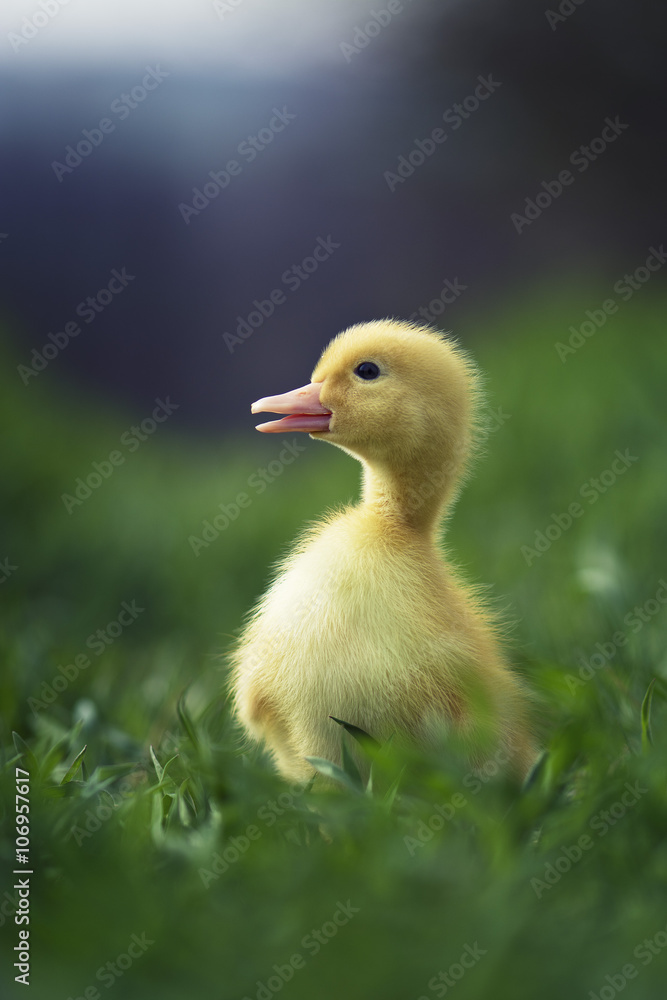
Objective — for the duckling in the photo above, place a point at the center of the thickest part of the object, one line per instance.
(365, 621)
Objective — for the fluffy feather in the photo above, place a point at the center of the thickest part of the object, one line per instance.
(365, 620)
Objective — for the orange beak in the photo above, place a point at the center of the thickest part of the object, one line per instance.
(302, 407)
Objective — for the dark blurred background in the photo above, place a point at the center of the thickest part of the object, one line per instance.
(329, 110)
(364, 81)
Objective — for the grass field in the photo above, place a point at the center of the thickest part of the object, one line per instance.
(191, 870)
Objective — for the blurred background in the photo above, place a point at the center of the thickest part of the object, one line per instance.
(196, 197)
(360, 89)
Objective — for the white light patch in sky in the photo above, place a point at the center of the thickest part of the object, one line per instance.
(259, 37)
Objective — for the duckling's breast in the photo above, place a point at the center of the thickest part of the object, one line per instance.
(363, 622)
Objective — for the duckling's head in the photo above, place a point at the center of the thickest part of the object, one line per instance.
(398, 396)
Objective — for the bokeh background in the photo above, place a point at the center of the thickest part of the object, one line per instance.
(359, 101)
(360, 88)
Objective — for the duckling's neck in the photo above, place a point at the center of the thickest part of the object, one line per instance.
(410, 497)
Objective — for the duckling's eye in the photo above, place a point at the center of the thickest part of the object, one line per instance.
(367, 370)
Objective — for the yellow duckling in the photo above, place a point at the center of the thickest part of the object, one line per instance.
(365, 621)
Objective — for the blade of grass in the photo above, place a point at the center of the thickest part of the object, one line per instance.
(333, 771)
(183, 808)
(187, 723)
(54, 756)
(25, 751)
(349, 763)
(74, 766)
(390, 797)
(159, 770)
(647, 735)
(360, 735)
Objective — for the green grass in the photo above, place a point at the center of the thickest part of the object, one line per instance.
(197, 846)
